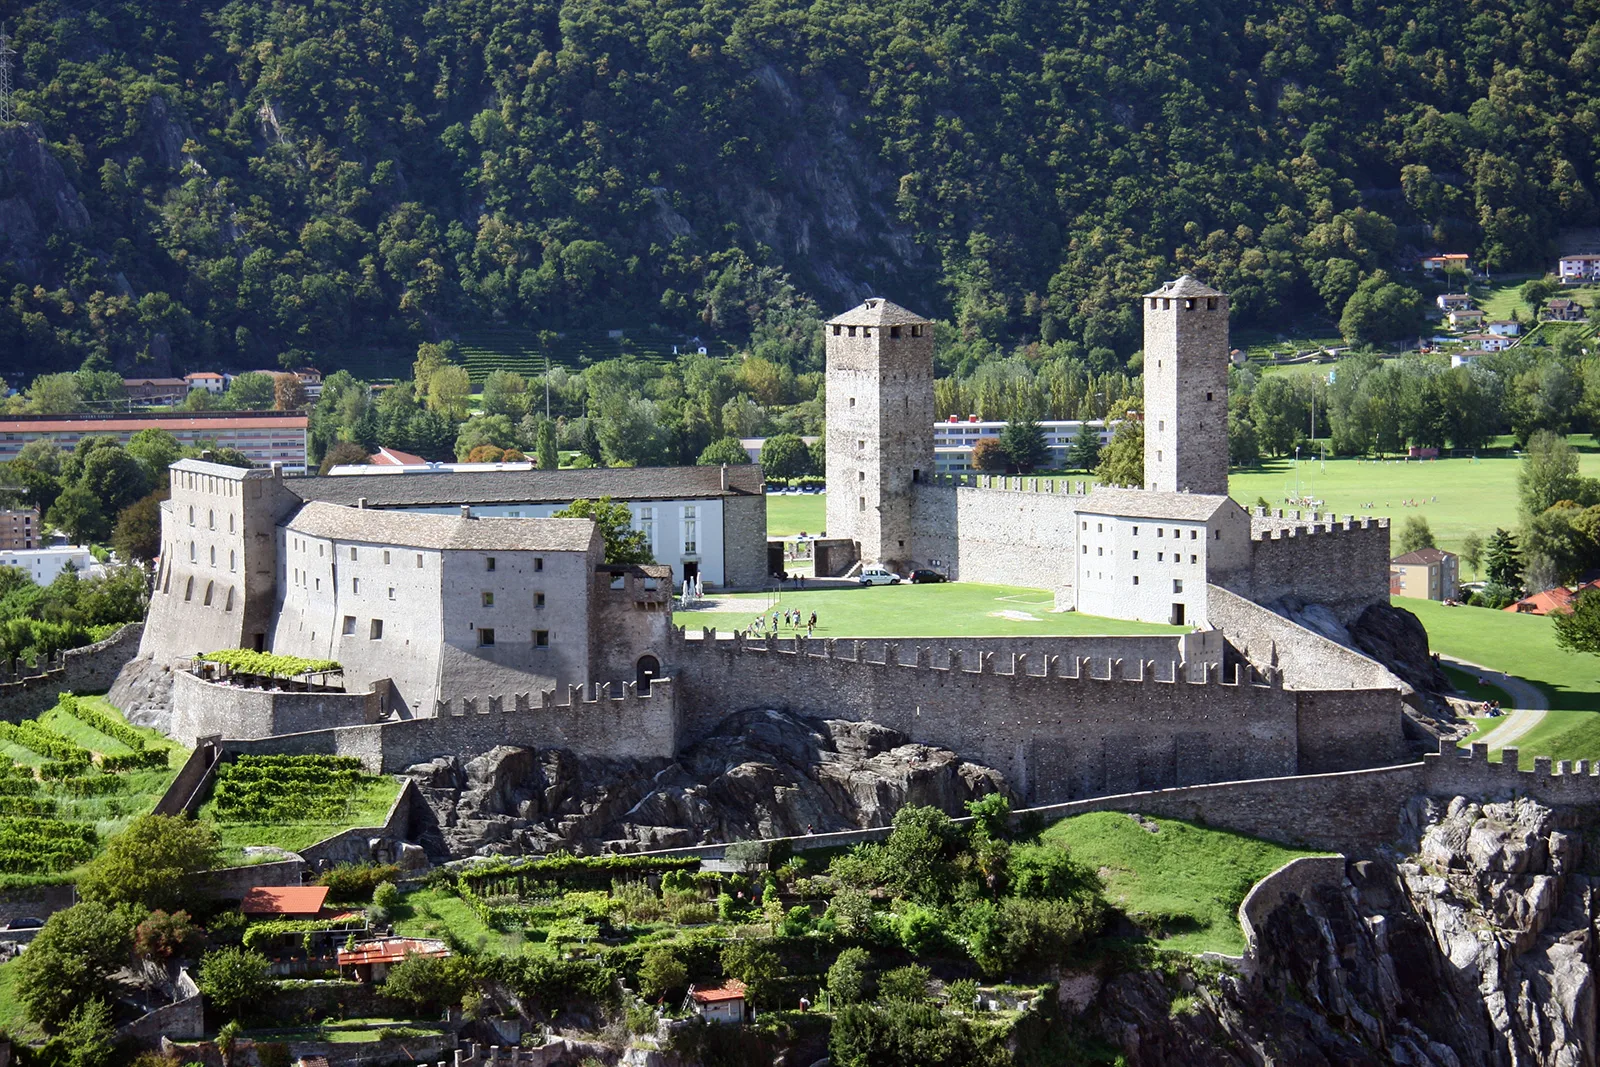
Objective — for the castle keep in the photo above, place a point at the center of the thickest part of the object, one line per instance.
(460, 630)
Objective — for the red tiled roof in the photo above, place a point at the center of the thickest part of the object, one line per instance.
(1423, 555)
(284, 900)
(730, 989)
(1558, 599)
(203, 374)
(393, 457)
(174, 422)
(391, 950)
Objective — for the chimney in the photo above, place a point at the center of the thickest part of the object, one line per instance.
(362, 503)
(277, 470)
(466, 511)
(724, 477)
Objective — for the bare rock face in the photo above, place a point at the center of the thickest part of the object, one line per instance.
(1396, 638)
(761, 774)
(36, 199)
(1477, 948)
(143, 690)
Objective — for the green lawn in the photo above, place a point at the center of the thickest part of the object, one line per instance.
(440, 913)
(13, 1019)
(954, 609)
(790, 514)
(1184, 883)
(1467, 684)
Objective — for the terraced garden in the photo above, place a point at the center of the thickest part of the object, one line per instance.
(291, 802)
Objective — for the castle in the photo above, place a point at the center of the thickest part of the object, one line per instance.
(460, 632)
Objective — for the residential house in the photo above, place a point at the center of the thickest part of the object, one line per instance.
(720, 1003)
(1577, 269)
(369, 961)
(1451, 301)
(1449, 261)
(1562, 310)
(1488, 342)
(1503, 327)
(19, 529)
(1426, 574)
(155, 390)
(1466, 359)
(393, 457)
(1464, 318)
(209, 380)
(284, 902)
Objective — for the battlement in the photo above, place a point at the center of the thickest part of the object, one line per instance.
(619, 697)
(1052, 486)
(1469, 773)
(1015, 665)
(1276, 524)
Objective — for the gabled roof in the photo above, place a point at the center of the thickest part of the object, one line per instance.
(1187, 285)
(336, 522)
(727, 989)
(444, 487)
(878, 312)
(284, 900)
(391, 950)
(1148, 504)
(1423, 556)
(393, 457)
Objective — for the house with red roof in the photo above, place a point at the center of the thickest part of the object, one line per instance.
(723, 1002)
(285, 901)
(369, 961)
(1551, 601)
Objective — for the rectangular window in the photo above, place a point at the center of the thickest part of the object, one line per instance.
(1160, 532)
(488, 563)
(349, 625)
(1136, 553)
(352, 552)
(1100, 551)
(538, 600)
(861, 503)
(894, 331)
(355, 585)
(1194, 558)
(861, 476)
(375, 631)
(1193, 534)
(485, 637)
(391, 592)
(538, 563)
(488, 599)
(1099, 527)
(1161, 557)
(1177, 585)
(419, 561)
(1136, 531)
(386, 557)
(541, 639)
(1135, 579)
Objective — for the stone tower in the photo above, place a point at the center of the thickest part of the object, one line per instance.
(880, 426)
(1186, 388)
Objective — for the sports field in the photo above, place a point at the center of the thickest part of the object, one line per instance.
(955, 609)
(795, 513)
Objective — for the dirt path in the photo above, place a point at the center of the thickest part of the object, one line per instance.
(1529, 709)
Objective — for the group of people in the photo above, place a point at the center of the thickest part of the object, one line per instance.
(793, 619)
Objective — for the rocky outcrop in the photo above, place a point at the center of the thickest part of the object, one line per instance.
(1475, 948)
(760, 774)
(143, 691)
(1396, 638)
(37, 199)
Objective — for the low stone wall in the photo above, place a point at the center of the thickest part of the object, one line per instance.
(184, 795)
(1297, 878)
(90, 669)
(1307, 659)
(232, 883)
(33, 902)
(201, 709)
(181, 1020)
(355, 845)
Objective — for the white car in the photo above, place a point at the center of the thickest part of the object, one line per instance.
(879, 576)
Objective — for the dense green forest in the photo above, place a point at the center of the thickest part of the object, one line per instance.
(249, 182)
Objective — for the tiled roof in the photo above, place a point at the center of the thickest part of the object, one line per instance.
(728, 989)
(393, 457)
(433, 488)
(135, 423)
(391, 950)
(284, 900)
(878, 312)
(336, 522)
(1187, 285)
(1423, 556)
(1147, 504)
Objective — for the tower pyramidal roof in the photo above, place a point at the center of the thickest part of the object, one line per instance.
(876, 311)
(1188, 285)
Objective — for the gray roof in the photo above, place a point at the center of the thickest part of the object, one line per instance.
(219, 470)
(334, 522)
(1186, 286)
(1148, 504)
(877, 312)
(435, 488)
(1423, 556)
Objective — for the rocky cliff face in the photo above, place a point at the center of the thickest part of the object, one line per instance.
(37, 199)
(761, 774)
(1475, 948)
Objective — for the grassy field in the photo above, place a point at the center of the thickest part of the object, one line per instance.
(790, 514)
(436, 912)
(13, 1019)
(956, 609)
(1183, 883)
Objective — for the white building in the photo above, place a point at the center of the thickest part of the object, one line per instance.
(208, 380)
(954, 438)
(1488, 342)
(1576, 269)
(1504, 327)
(44, 565)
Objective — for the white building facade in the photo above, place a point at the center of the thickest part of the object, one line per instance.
(954, 439)
(44, 565)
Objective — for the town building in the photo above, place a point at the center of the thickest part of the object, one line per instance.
(1488, 342)
(721, 1002)
(1425, 574)
(155, 390)
(369, 961)
(1449, 261)
(1503, 327)
(1462, 318)
(385, 457)
(208, 380)
(19, 529)
(1561, 309)
(44, 565)
(1452, 301)
(1578, 268)
(1466, 359)
(264, 437)
(954, 439)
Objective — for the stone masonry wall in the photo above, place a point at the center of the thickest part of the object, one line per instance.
(202, 709)
(90, 669)
(1307, 659)
(1056, 731)
(1347, 729)
(1342, 564)
(744, 541)
(1004, 536)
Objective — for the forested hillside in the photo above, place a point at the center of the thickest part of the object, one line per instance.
(251, 181)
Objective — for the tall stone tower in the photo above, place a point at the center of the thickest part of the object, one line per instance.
(1186, 388)
(880, 426)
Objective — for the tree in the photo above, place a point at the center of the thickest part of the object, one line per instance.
(1502, 562)
(1122, 461)
(87, 1040)
(1085, 451)
(137, 534)
(1578, 630)
(343, 454)
(448, 391)
(906, 984)
(1472, 550)
(1548, 473)
(624, 544)
(1415, 535)
(1381, 309)
(549, 459)
(1534, 292)
(71, 961)
(987, 455)
(847, 978)
(1244, 448)
(426, 982)
(234, 979)
(54, 394)
(785, 457)
(1024, 444)
(251, 391)
(152, 863)
(77, 511)
(661, 972)
(288, 392)
(155, 451)
(756, 965)
(726, 450)
(163, 935)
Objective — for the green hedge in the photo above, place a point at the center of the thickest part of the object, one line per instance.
(269, 664)
(100, 721)
(46, 742)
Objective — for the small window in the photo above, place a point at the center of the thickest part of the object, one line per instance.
(352, 552)
(1085, 525)
(191, 551)
(319, 584)
(1177, 585)
(233, 560)
(861, 476)
(1177, 533)
(916, 331)
(485, 637)
(1100, 551)
(538, 563)
(391, 592)
(538, 600)
(861, 445)
(1085, 550)
(861, 503)
(1136, 531)
(375, 630)
(230, 524)
(1208, 396)
(1160, 532)
(191, 515)
(852, 399)
(386, 556)
(1193, 558)
(349, 625)
(1136, 553)
(211, 519)
(837, 330)
(894, 332)
(355, 585)
(488, 599)
(1099, 527)
(1218, 535)
(188, 589)
(488, 563)
(541, 639)
(1135, 579)
(1193, 534)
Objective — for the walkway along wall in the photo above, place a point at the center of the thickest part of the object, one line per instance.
(28, 692)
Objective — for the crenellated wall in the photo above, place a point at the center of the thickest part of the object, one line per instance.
(27, 692)
(1318, 559)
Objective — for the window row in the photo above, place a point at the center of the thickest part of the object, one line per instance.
(541, 638)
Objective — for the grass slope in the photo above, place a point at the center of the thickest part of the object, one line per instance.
(1183, 883)
(368, 807)
(955, 609)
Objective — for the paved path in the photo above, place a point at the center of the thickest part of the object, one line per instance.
(1530, 703)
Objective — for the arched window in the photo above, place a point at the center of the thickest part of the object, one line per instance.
(233, 560)
(188, 588)
(648, 669)
(191, 551)
(209, 587)
(213, 555)
(228, 605)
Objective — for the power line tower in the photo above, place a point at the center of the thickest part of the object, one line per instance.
(6, 52)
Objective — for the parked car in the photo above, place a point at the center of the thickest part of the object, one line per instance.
(26, 922)
(924, 576)
(879, 576)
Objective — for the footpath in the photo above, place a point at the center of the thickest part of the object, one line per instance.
(1530, 703)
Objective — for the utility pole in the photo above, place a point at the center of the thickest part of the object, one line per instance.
(6, 52)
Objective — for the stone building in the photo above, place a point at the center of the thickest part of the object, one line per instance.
(1186, 389)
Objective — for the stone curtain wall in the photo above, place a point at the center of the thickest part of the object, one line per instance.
(1342, 564)
(1347, 729)
(1307, 659)
(1469, 773)
(28, 692)
(1297, 878)
(203, 709)
(1000, 535)
(744, 542)
(355, 845)
(1068, 734)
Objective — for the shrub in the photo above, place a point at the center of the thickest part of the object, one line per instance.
(152, 862)
(386, 896)
(164, 935)
(661, 972)
(961, 994)
(234, 978)
(918, 929)
(847, 978)
(905, 984)
(354, 883)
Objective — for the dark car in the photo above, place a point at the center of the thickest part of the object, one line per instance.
(926, 577)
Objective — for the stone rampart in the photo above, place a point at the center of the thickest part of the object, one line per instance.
(1342, 564)
(203, 709)
(608, 720)
(1468, 772)
(1004, 536)
(187, 791)
(26, 692)
(1306, 659)
(1054, 728)
(1297, 878)
(184, 1019)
